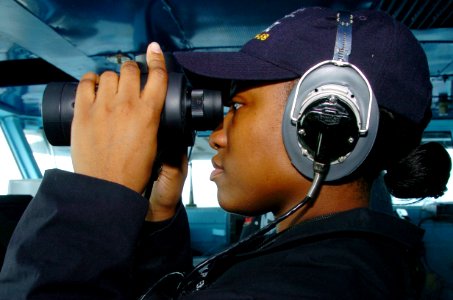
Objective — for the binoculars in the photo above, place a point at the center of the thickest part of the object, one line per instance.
(185, 111)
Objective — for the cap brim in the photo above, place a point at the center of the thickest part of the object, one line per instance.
(231, 65)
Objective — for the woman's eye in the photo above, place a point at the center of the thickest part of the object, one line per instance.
(236, 106)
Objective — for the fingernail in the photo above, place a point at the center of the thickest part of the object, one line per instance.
(154, 47)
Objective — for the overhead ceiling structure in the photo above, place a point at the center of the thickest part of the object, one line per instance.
(48, 40)
(417, 14)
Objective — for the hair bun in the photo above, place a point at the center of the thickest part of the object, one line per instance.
(422, 173)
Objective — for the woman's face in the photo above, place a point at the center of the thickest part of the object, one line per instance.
(252, 170)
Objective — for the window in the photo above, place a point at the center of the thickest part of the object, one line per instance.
(8, 165)
(198, 188)
(46, 155)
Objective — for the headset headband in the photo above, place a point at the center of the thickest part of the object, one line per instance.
(343, 43)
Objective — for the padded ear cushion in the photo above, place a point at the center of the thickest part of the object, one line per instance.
(329, 87)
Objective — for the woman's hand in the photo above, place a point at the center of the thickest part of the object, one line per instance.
(167, 189)
(114, 130)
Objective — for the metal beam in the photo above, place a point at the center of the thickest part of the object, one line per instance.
(14, 134)
(23, 28)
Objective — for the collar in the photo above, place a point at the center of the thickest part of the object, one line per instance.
(360, 220)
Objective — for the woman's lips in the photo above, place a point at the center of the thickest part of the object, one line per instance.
(218, 170)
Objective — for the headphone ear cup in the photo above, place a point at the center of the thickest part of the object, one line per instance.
(328, 130)
(331, 116)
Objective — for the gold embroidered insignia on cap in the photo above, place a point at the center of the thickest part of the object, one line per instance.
(262, 36)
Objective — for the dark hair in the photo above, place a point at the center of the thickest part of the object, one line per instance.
(423, 173)
(412, 170)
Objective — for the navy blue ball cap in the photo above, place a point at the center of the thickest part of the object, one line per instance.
(383, 49)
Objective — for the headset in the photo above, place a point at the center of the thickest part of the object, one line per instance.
(331, 116)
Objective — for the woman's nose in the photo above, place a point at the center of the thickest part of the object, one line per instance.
(217, 139)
